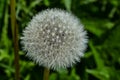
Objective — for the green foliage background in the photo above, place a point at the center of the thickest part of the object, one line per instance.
(101, 19)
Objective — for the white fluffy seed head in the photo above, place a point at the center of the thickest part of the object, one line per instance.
(54, 39)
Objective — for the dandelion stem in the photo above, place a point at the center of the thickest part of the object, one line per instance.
(15, 38)
(46, 74)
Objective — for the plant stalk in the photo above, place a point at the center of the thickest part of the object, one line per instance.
(46, 74)
(14, 28)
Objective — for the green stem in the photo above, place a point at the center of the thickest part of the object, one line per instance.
(15, 38)
(46, 74)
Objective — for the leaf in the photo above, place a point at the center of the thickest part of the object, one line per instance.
(96, 54)
(87, 1)
(112, 12)
(1, 7)
(97, 26)
(27, 77)
(73, 75)
(111, 44)
(105, 73)
(34, 3)
(53, 76)
(7, 67)
(67, 4)
(101, 74)
(115, 2)
(2, 14)
(113, 39)
(46, 2)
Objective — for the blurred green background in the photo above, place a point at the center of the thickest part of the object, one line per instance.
(101, 19)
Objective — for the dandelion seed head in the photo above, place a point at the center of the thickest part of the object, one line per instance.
(54, 39)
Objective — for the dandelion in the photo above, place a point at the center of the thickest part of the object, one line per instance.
(54, 39)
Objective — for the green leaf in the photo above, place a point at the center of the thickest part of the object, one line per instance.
(46, 2)
(112, 12)
(53, 76)
(27, 77)
(111, 44)
(67, 4)
(113, 39)
(87, 1)
(115, 2)
(96, 54)
(73, 75)
(101, 74)
(97, 26)
(105, 73)
(34, 3)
